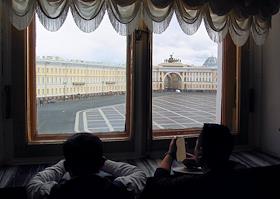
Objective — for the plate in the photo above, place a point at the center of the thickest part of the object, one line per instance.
(181, 168)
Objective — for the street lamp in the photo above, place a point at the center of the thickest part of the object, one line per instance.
(102, 84)
(64, 86)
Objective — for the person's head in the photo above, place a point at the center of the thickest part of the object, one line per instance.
(83, 153)
(214, 145)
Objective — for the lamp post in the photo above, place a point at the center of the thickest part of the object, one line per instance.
(64, 87)
(102, 81)
(64, 82)
(102, 84)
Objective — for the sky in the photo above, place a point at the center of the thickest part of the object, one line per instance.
(105, 45)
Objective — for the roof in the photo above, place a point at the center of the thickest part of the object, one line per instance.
(211, 62)
(76, 63)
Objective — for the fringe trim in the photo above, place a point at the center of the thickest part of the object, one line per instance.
(189, 25)
(91, 24)
(160, 25)
(239, 29)
(21, 20)
(52, 24)
(124, 28)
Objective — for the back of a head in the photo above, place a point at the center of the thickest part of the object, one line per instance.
(83, 154)
(217, 144)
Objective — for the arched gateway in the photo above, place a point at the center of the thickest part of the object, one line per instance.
(172, 81)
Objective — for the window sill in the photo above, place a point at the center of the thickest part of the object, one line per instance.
(168, 134)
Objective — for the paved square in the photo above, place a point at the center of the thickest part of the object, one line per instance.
(172, 111)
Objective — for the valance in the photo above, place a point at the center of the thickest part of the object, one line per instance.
(239, 18)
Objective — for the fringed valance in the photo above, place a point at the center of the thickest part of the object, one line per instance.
(238, 17)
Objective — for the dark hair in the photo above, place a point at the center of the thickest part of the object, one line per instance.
(83, 154)
(217, 144)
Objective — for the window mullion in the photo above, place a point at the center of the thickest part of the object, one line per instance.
(142, 93)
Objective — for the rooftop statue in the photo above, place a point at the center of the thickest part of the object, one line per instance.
(172, 60)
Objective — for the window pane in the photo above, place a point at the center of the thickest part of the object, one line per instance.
(185, 74)
(80, 79)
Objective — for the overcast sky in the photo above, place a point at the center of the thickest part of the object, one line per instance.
(105, 45)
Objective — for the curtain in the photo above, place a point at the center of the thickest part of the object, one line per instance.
(239, 18)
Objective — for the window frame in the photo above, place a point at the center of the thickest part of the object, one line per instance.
(31, 119)
(231, 55)
(141, 142)
(16, 128)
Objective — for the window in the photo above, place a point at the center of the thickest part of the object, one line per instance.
(138, 103)
(179, 106)
(75, 108)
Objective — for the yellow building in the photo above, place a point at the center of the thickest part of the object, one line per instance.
(59, 78)
(174, 75)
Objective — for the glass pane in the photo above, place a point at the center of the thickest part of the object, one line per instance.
(80, 79)
(185, 74)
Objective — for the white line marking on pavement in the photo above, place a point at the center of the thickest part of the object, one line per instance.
(170, 118)
(118, 111)
(158, 125)
(206, 103)
(77, 121)
(187, 107)
(177, 114)
(89, 120)
(162, 104)
(85, 122)
(116, 120)
(106, 120)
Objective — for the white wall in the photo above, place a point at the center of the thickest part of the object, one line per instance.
(270, 89)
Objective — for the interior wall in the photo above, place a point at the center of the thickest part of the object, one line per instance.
(1, 89)
(6, 146)
(270, 113)
(254, 93)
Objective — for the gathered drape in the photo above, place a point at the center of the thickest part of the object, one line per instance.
(239, 18)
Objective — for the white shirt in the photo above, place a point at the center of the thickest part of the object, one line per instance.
(39, 187)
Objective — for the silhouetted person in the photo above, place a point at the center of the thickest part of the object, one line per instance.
(81, 175)
(213, 149)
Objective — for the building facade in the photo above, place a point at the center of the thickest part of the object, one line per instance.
(174, 75)
(57, 78)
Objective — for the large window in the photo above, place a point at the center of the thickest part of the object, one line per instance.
(59, 83)
(80, 80)
(185, 81)
(100, 83)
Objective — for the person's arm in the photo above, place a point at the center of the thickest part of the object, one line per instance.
(40, 185)
(166, 163)
(162, 184)
(133, 178)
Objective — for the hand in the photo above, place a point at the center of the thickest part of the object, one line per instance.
(173, 148)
